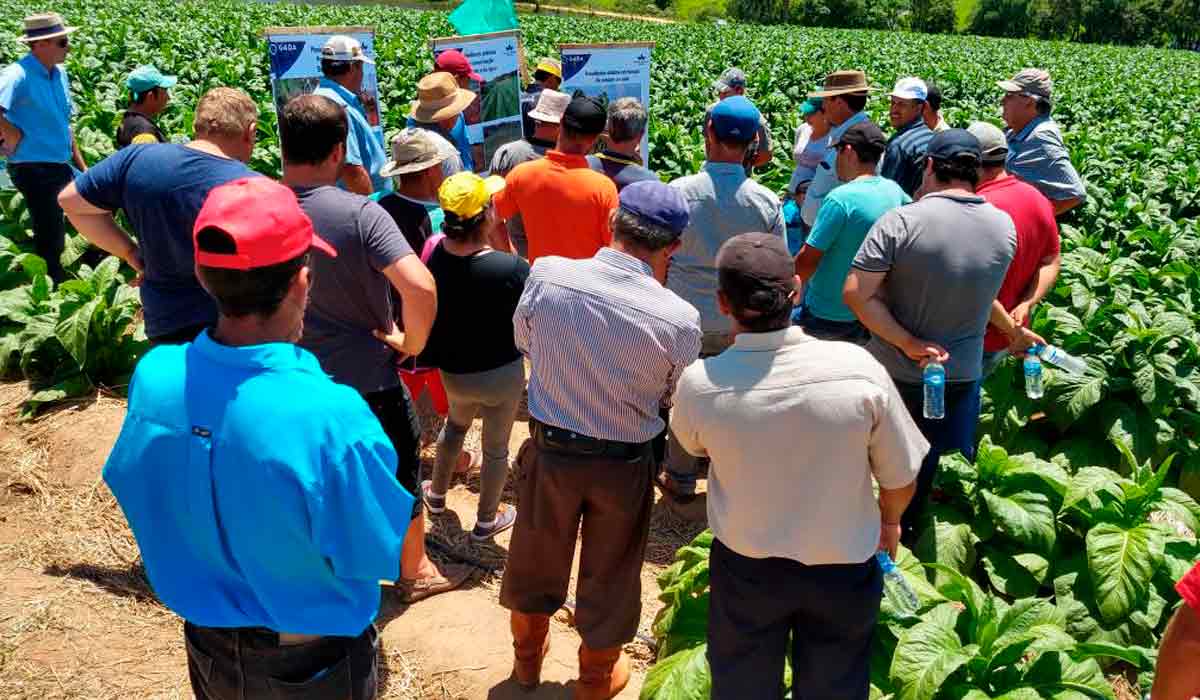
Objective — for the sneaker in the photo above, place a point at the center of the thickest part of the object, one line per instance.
(450, 576)
(433, 503)
(506, 516)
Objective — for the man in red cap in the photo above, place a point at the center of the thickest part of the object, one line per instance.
(271, 533)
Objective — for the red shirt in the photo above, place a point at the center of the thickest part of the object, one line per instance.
(1037, 238)
(564, 204)
(1189, 588)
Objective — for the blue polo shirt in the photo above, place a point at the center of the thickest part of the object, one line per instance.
(364, 146)
(1037, 155)
(261, 493)
(38, 102)
(457, 135)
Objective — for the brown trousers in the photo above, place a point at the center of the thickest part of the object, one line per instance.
(613, 499)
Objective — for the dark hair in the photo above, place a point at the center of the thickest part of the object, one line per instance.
(310, 127)
(258, 291)
(856, 103)
(634, 230)
(1043, 107)
(949, 169)
(934, 97)
(457, 228)
(867, 153)
(756, 321)
(541, 75)
(334, 69)
(139, 98)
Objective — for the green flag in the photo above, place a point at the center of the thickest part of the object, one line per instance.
(483, 16)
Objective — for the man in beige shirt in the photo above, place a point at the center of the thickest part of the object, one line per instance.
(797, 429)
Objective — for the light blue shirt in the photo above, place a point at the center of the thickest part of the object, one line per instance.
(38, 102)
(457, 135)
(364, 145)
(826, 177)
(261, 493)
(723, 203)
(1037, 155)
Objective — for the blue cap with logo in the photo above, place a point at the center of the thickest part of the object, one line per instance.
(735, 119)
(146, 78)
(657, 203)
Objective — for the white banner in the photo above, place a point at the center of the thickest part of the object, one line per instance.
(612, 71)
(494, 118)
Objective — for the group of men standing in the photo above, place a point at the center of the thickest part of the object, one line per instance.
(301, 484)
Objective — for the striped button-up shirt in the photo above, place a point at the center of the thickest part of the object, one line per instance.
(607, 344)
(904, 161)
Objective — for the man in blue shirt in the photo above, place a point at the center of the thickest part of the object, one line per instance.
(904, 160)
(278, 515)
(844, 96)
(439, 108)
(161, 188)
(1036, 152)
(35, 131)
(343, 65)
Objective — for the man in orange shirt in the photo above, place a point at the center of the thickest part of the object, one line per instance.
(564, 203)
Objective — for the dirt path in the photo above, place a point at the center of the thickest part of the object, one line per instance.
(77, 619)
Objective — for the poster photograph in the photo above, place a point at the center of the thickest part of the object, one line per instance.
(610, 71)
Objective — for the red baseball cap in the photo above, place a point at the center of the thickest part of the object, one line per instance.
(264, 219)
(453, 61)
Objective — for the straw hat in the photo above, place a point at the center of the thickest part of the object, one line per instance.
(439, 97)
(844, 82)
(413, 150)
(44, 26)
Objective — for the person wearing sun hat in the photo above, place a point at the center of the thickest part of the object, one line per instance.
(456, 63)
(547, 74)
(1036, 152)
(271, 537)
(438, 108)
(843, 99)
(149, 93)
(472, 345)
(35, 131)
(904, 160)
(416, 165)
(343, 69)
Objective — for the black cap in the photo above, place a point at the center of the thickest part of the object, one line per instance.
(585, 115)
(954, 144)
(864, 134)
(755, 271)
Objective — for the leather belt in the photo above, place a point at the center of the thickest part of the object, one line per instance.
(570, 442)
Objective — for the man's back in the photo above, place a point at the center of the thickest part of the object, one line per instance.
(161, 188)
(723, 203)
(1038, 155)
(565, 206)
(904, 161)
(797, 426)
(606, 342)
(622, 170)
(945, 258)
(261, 493)
(350, 295)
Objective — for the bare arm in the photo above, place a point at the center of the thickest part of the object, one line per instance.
(861, 295)
(77, 155)
(10, 134)
(99, 227)
(1062, 206)
(1177, 675)
(497, 236)
(1039, 287)
(418, 296)
(892, 503)
(357, 179)
(807, 262)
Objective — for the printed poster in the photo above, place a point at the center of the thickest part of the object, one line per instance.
(296, 66)
(494, 118)
(610, 71)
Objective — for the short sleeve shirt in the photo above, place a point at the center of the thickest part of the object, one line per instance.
(418, 221)
(1038, 156)
(364, 146)
(350, 295)
(457, 137)
(161, 188)
(620, 169)
(904, 160)
(38, 102)
(825, 176)
(846, 215)
(1188, 588)
(137, 128)
(945, 258)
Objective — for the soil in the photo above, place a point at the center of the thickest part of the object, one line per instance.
(78, 620)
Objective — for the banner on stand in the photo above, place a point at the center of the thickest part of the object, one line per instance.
(610, 71)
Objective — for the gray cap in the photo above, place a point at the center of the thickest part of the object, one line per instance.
(1031, 81)
(993, 146)
(731, 79)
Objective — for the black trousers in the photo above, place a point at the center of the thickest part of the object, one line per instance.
(39, 184)
(398, 417)
(756, 605)
(250, 664)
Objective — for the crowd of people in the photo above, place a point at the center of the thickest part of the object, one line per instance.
(269, 462)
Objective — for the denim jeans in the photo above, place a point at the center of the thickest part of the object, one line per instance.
(492, 395)
(848, 331)
(954, 432)
(251, 664)
(40, 184)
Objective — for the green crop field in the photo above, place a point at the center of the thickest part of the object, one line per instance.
(1049, 564)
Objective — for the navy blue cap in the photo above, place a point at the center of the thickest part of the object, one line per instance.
(735, 119)
(953, 144)
(656, 202)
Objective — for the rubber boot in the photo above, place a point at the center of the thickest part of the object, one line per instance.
(531, 643)
(603, 673)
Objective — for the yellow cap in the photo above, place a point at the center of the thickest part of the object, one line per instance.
(550, 66)
(466, 194)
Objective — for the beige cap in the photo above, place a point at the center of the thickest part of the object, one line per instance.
(439, 97)
(1031, 81)
(44, 26)
(413, 150)
(993, 146)
(551, 106)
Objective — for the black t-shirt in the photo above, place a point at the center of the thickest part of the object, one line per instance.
(477, 296)
(411, 216)
(135, 124)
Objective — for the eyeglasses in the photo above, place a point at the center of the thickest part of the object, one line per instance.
(63, 43)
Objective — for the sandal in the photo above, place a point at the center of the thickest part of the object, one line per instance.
(506, 516)
(413, 590)
(436, 505)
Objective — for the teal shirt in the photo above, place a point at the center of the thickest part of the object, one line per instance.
(846, 215)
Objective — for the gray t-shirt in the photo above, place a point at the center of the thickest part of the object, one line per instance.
(945, 258)
(350, 296)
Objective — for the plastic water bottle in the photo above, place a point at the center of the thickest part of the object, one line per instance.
(935, 391)
(1060, 359)
(1033, 375)
(899, 594)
